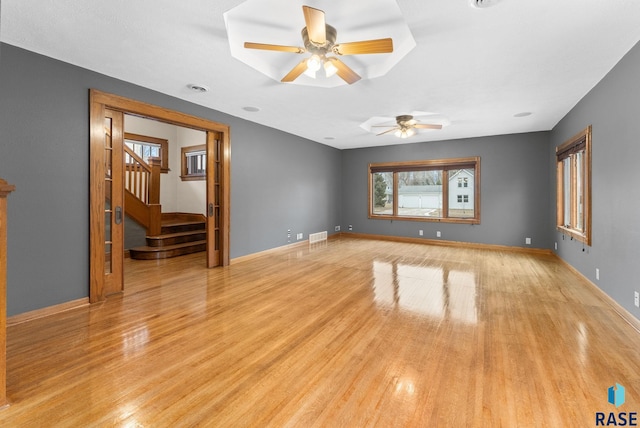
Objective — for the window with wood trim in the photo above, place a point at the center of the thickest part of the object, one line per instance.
(149, 147)
(444, 190)
(573, 196)
(194, 163)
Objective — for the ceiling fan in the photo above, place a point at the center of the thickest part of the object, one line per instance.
(406, 126)
(319, 39)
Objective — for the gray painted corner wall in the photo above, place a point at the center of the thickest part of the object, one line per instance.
(44, 151)
(612, 107)
(280, 182)
(514, 183)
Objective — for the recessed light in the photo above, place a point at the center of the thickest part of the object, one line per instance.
(251, 109)
(197, 88)
(523, 114)
(483, 4)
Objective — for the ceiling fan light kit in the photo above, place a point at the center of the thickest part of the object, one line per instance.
(406, 125)
(320, 44)
(405, 133)
(319, 39)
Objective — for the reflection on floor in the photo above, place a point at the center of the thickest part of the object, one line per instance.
(345, 333)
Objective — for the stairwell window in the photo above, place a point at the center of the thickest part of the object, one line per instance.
(194, 163)
(149, 147)
(573, 181)
(444, 190)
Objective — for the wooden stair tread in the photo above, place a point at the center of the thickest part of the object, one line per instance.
(180, 234)
(180, 217)
(177, 234)
(181, 226)
(146, 248)
(180, 222)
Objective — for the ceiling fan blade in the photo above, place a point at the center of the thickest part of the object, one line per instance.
(295, 71)
(268, 47)
(344, 72)
(364, 47)
(316, 26)
(388, 131)
(427, 126)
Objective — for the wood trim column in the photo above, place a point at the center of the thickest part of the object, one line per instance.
(5, 189)
(154, 181)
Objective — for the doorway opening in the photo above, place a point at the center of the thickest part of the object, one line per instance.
(113, 119)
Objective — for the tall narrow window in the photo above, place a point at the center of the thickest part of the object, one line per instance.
(446, 190)
(573, 199)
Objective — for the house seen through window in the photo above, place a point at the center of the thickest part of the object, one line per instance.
(432, 190)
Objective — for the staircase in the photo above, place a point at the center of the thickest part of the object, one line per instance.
(168, 234)
(180, 234)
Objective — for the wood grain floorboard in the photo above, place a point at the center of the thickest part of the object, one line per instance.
(349, 333)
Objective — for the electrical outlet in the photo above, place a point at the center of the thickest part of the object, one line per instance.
(636, 299)
(337, 228)
(438, 234)
(299, 236)
(420, 232)
(288, 235)
(598, 274)
(350, 227)
(556, 245)
(527, 241)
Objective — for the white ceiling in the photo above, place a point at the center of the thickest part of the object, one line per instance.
(476, 67)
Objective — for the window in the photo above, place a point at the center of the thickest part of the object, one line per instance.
(149, 147)
(194, 163)
(573, 196)
(446, 190)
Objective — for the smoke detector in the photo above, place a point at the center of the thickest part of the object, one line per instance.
(483, 4)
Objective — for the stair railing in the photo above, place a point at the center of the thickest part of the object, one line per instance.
(142, 191)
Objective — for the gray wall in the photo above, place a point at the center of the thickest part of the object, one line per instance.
(278, 181)
(613, 109)
(514, 188)
(282, 182)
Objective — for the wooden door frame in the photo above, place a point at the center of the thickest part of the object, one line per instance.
(98, 102)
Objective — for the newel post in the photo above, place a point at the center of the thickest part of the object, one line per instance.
(155, 209)
(5, 189)
(154, 181)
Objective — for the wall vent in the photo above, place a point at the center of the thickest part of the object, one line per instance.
(317, 237)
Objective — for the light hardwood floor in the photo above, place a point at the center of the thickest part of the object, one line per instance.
(352, 333)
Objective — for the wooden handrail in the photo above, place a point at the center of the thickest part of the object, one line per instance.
(137, 158)
(137, 173)
(142, 185)
(5, 189)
